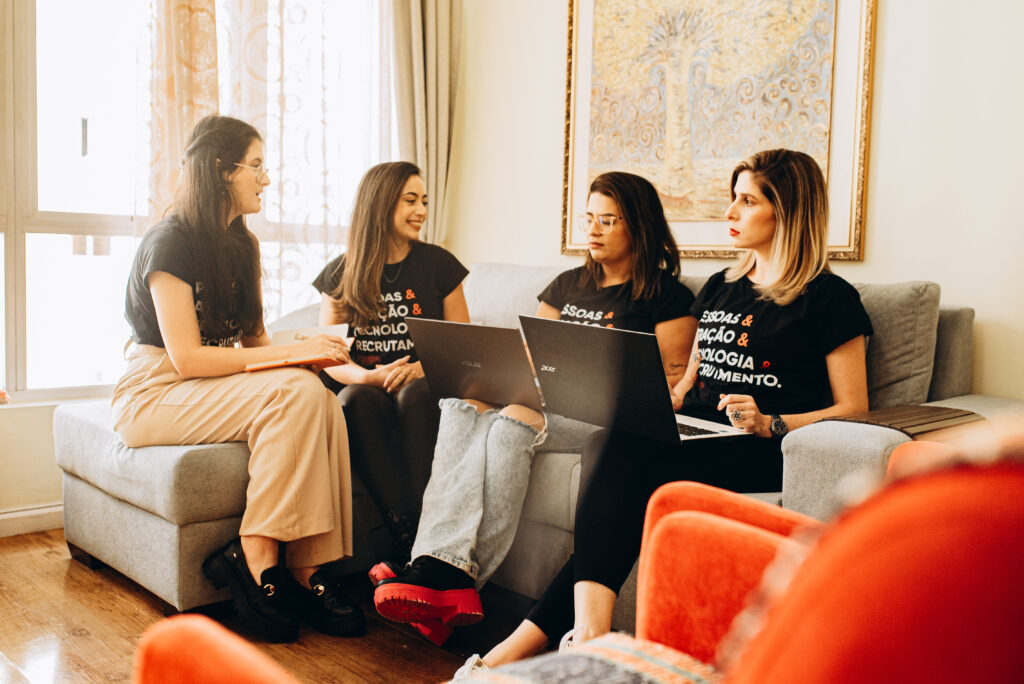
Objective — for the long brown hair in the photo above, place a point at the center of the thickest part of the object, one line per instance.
(654, 248)
(793, 184)
(357, 297)
(227, 258)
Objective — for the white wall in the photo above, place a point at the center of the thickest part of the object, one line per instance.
(944, 173)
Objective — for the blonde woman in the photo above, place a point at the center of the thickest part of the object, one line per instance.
(780, 344)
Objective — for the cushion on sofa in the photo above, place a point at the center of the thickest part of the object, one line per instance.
(901, 355)
(497, 294)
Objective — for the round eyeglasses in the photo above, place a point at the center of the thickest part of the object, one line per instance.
(605, 221)
(261, 171)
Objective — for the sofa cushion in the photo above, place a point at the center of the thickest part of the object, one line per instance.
(901, 355)
(182, 484)
(497, 294)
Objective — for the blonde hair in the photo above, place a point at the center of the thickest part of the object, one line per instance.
(793, 184)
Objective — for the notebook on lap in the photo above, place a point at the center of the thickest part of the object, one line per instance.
(612, 378)
(474, 362)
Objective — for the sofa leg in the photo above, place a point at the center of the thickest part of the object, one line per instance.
(85, 558)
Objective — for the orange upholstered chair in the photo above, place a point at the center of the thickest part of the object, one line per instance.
(193, 649)
(919, 583)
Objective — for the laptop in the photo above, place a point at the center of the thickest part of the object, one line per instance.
(471, 361)
(612, 378)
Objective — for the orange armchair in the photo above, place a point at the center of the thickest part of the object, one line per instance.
(920, 583)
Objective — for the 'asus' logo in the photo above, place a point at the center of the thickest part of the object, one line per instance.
(473, 364)
(547, 369)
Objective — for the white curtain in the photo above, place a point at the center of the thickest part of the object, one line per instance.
(426, 56)
(312, 76)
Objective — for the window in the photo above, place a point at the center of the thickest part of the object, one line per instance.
(307, 73)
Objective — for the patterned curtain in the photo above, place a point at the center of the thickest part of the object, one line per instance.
(312, 76)
(183, 86)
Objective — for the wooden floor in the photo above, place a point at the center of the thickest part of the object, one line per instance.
(62, 622)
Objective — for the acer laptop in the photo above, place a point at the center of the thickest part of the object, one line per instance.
(474, 362)
(612, 378)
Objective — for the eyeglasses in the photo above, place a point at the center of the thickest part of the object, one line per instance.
(261, 171)
(606, 221)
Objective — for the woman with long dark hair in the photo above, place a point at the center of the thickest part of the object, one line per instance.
(481, 466)
(780, 345)
(194, 305)
(386, 275)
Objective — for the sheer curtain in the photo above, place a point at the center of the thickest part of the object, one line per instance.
(313, 76)
(183, 88)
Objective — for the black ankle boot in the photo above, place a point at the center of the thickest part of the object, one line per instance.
(403, 533)
(261, 607)
(326, 607)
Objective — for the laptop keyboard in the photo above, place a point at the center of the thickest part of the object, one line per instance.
(690, 430)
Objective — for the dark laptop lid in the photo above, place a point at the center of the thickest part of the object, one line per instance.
(603, 376)
(474, 362)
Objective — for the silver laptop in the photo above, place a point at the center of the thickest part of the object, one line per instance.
(612, 378)
(474, 362)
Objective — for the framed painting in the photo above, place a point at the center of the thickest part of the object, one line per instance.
(680, 91)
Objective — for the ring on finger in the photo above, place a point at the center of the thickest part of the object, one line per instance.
(736, 414)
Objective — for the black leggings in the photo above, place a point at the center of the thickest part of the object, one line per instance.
(391, 442)
(619, 473)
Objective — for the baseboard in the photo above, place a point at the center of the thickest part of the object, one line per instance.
(33, 519)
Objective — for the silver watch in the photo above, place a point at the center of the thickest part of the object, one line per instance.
(777, 426)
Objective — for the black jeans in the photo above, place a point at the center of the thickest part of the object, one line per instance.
(391, 443)
(619, 473)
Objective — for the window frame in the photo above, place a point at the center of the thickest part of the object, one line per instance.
(19, 208)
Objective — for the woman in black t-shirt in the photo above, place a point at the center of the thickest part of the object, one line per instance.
(780, 344)
(193, 295)
(385, 276)
(482, 461)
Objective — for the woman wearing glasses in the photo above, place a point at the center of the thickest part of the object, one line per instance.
(386, 275)
(780, 344)
(193, 301)
(630, 280)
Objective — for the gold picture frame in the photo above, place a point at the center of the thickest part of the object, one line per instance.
(847, 70)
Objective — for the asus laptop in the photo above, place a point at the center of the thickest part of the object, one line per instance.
(474, 362)
(612, 378)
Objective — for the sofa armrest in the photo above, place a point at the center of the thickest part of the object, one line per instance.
(818, 456)
(954, 351)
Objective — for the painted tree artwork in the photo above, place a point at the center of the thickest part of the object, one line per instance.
(682, 90)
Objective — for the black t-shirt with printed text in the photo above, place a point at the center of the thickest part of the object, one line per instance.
(165, 247)
(613, 307)
(415, 286)
(774, 353)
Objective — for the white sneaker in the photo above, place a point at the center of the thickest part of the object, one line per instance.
(566, 643)
(474, 664)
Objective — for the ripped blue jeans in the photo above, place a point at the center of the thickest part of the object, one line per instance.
(478, 482)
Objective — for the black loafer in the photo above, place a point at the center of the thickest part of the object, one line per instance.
(261, 607)
(326, 607)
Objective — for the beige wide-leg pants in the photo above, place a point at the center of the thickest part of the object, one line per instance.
(300, 488)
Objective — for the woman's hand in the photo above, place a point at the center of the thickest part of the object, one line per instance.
(402, 374)
(329, 346)
(742, 412)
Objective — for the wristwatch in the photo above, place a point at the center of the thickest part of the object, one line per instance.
(777, 426)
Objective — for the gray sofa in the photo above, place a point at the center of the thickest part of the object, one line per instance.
(154, 513)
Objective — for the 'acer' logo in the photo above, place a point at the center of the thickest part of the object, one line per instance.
(548, 369)
(473, 364)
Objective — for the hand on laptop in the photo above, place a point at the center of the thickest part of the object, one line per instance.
(742, 411)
